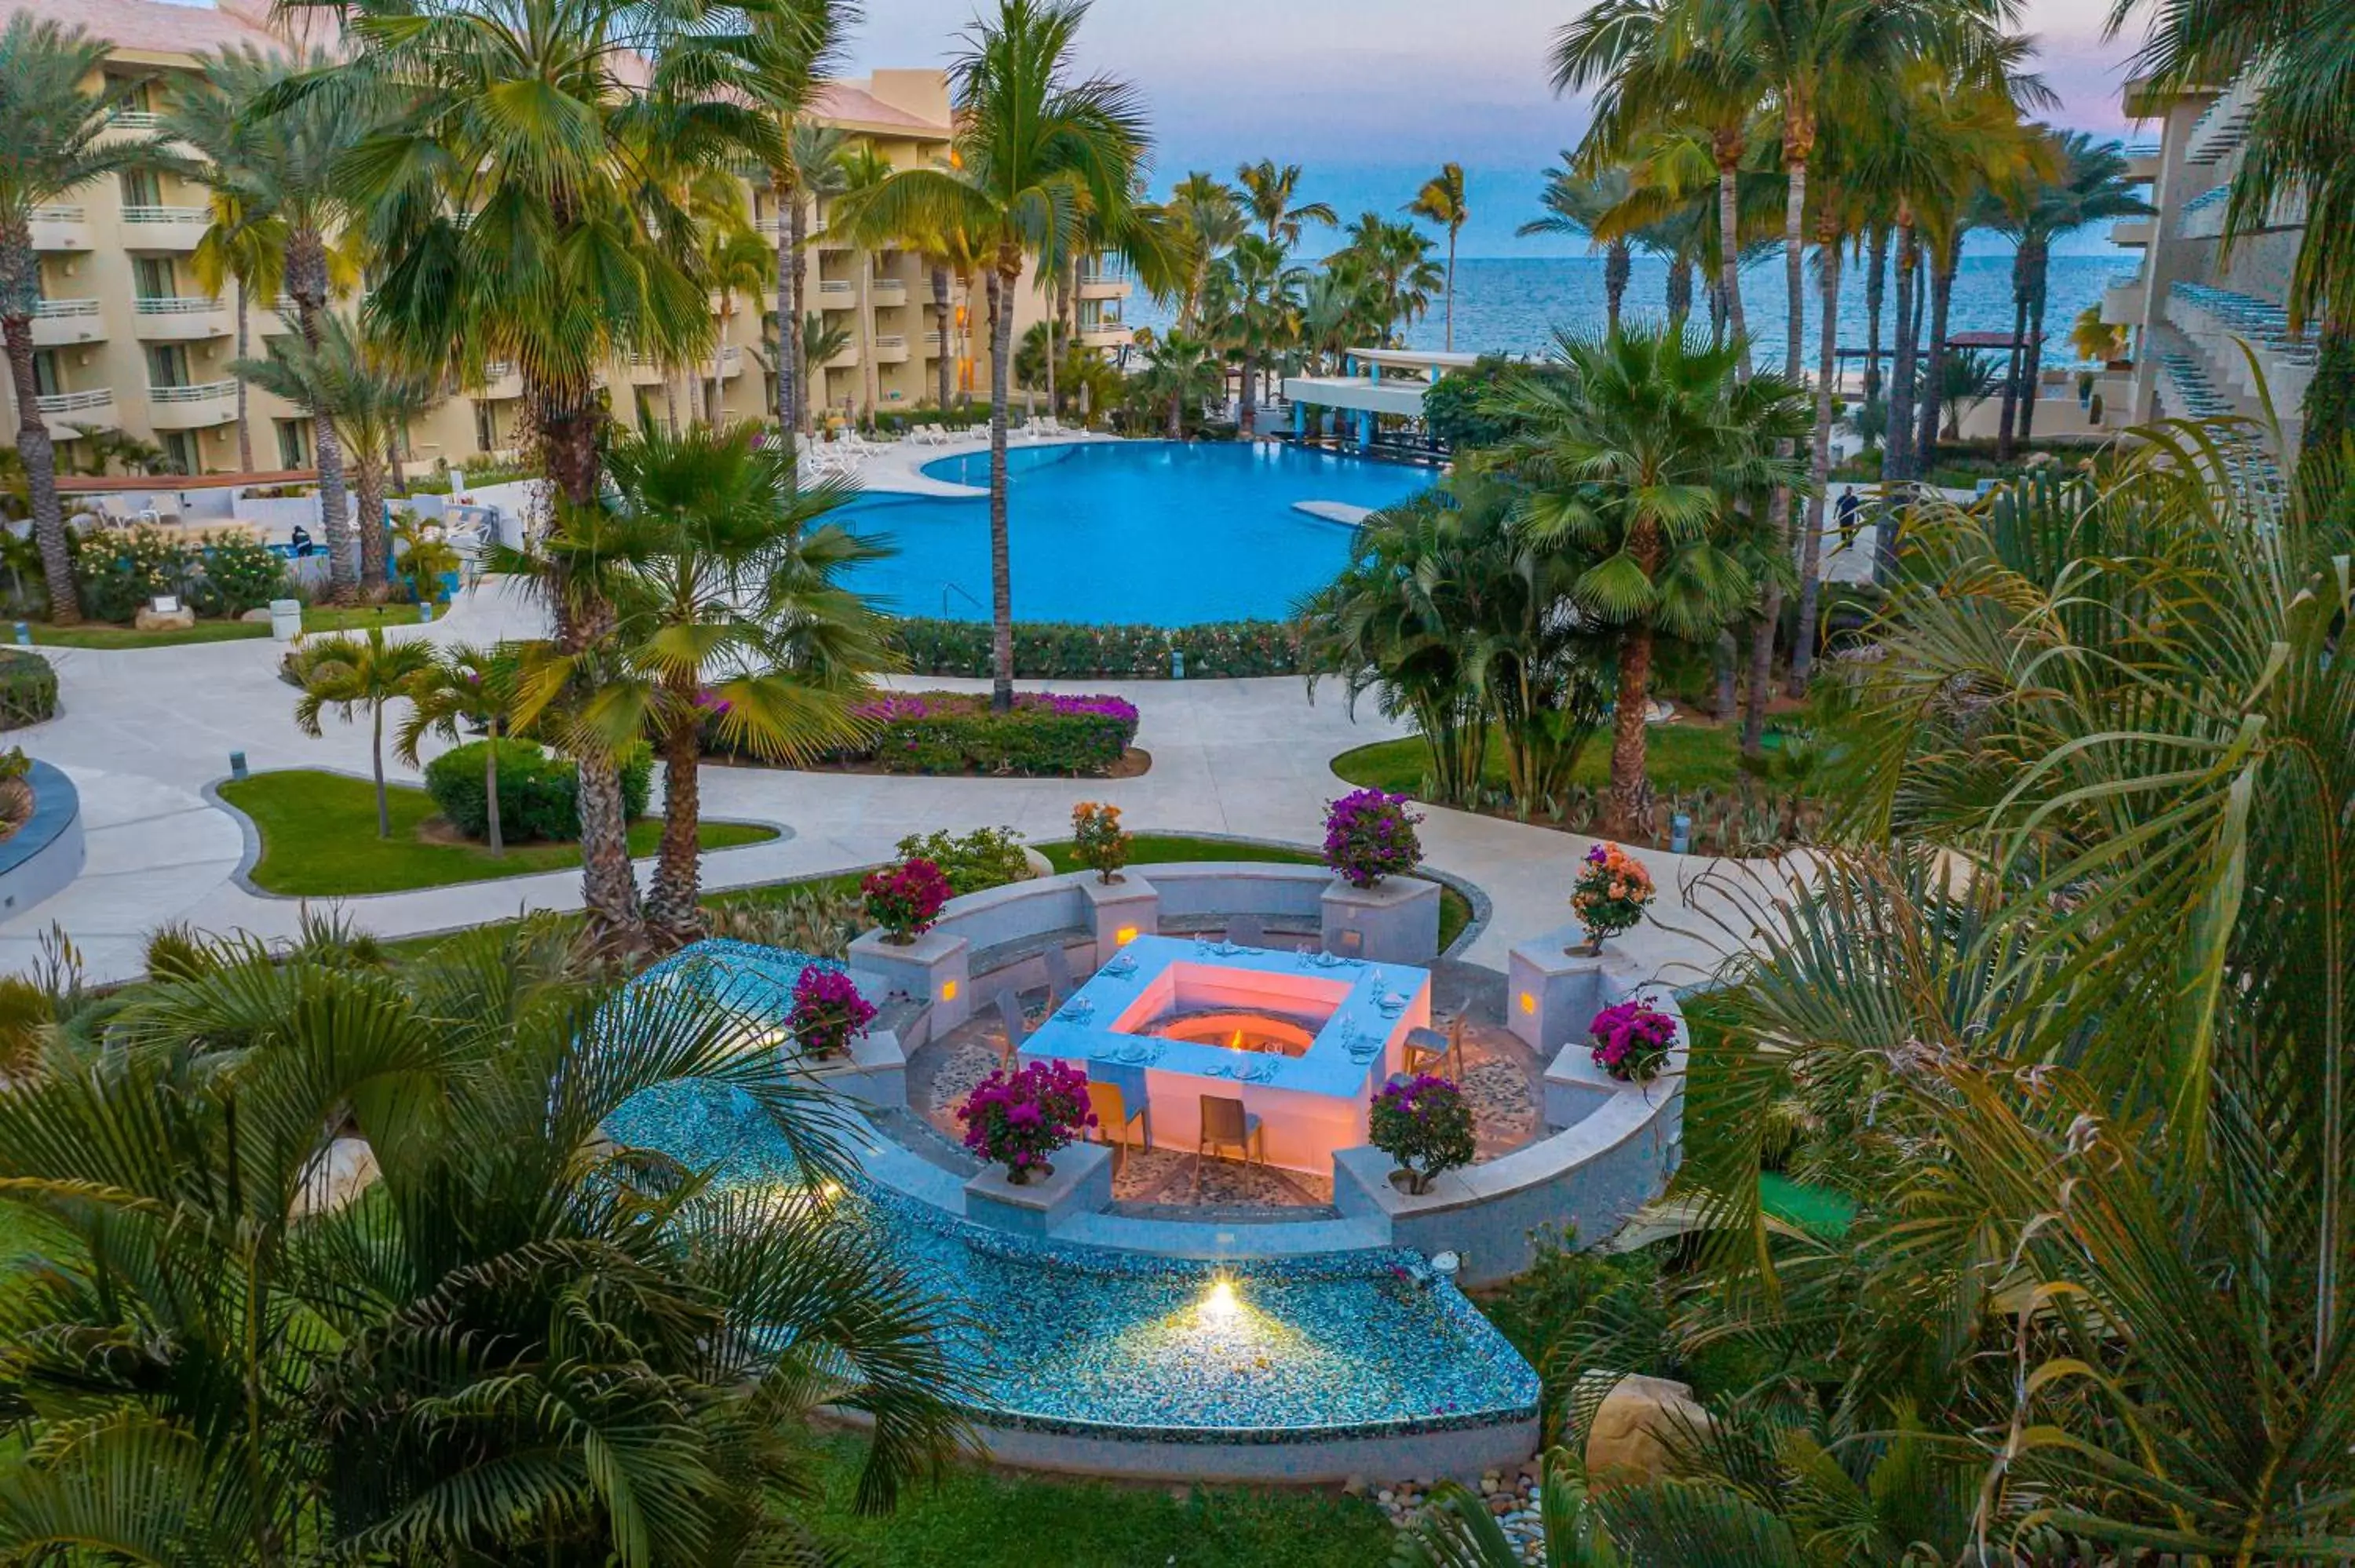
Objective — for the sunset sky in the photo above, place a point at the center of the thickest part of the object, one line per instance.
(1372, 94)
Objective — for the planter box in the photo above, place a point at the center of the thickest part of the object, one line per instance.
(1082, 1184)
(1120, 911)
(1552, 994)
(931, 968)
(1398, 918)
(875, 1074)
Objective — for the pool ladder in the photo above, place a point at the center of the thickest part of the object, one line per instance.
(948, 588)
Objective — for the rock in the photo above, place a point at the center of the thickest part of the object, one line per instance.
(336, 1176)
(1385, 1496)
(1500, 1507)
(259, 615)
(1628, 1440)
(1488, 1482)
(1038, 864)
(149, 618)
(1355, 1487)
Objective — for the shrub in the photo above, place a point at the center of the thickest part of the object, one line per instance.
(1049, 650)
(951, 732)
(28, 689)
(1369, 834)
(827, 1011)
(1611, 893)
(116, 571)
(906, 898)
(1018, 1118)
(1097, 840)
(1631, 1040)
(538, 791)
(1425, 1124)
(234, 575)
(819, 918)
(984, 858)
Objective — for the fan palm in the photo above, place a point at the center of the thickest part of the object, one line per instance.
(56, 144)
(1442, 200)
(360, 387)
(465, 686)
(1180, 369)
(524, 1342)
(822, 340)
(345, 673)
(1632, 458)
(1269, 192)
(1036, 144)
(732, 619)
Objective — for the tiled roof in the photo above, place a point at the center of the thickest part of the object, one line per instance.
(149, 25)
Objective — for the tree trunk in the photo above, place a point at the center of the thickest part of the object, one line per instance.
(1897, 440)
(1727, 661)
(393, 462)
(2011, 356)
(375, 762)
(307, 279)
(789, 324)
(1617, 266)
(491, 791)
(244, 428)
(869, 373)
(1876, 277)
(2039, 279)
(1178, 413)
(674, 899)
(797, 280)
(1001, 572)
(1762, 632)
(1811, 550)
(711, 407)
(1630, 784)
(1933, 363)
(1451, 289)
(368, 483)
(942, 379)
(1727, 147)
(1680, 291)
(40, 457)
(1795, 268)
(1770, 615)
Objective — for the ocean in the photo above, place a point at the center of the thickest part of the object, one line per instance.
(1515, 306)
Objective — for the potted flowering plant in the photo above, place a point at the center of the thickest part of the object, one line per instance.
(827, 1011)
(1631, 1040)
(1369, 834)
(1425, 1124)
(1018, 1118)
(1097, 841)
(905, 898)
(1609, 897)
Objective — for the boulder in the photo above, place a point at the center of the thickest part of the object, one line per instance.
(338, 1175)
(149, 618)
(1038, 864)
(259, 615)
(1632, 1427)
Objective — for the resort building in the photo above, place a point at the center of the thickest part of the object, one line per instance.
(129, 341)
(1374, 384)
(2194, 304)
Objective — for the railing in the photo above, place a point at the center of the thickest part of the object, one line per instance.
(174, 306)
(165, 214)
(198, 392)
(75, 402)
(134, 120)
(890, 340)
(498, 370)
(835, 286)
(57, 215)
(57, 309)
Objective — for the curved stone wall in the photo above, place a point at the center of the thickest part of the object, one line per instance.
(46, 853)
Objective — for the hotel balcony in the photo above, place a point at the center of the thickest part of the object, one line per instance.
(887, 292)
(192, 407)
(71, 414)
(500, 383)
(2229, 328)
(133, 122)
(2224, 125)
(845, 360)
(1102, 286)
(164, 227)
(1107, 334)
(2203, 216)
(831, 294)
(59, 227)
(2142, 163)
(183, 319)
(2123, 301)
(891, 348)
(731, 363)
(58, 322)
(935, 342)
(2131, 232)
(644, 372)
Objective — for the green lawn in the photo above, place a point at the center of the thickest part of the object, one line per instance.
(318, 839)
(978, 1518)
(315, 618)
(1681, 756)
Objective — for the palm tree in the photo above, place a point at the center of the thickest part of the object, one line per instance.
(735, 262)
(1395, 261)
(1268, 191)
(57, 144)
(465, 684)
(2092, 338)
(1036, 144)
(361, 388)
(1181, 370)
(1633, 456)
(732, 616)
(345, 673)
(819, 155)
(1265, 311)
(526, 1341)
(1209, 219)
(1575, 206)
(1441, 201)
(863, 169)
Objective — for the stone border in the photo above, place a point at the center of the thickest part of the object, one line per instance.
(250, 856)
(48, 850)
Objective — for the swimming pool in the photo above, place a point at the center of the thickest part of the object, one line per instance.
(1154, 533)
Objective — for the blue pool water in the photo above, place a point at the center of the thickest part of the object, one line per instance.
(1156, 532)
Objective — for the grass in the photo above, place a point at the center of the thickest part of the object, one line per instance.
(318, 839)
(315, 618)
(1679, 757)
(980, 1519)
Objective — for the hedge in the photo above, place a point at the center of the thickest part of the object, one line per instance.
(1055, 649)
(28, 689)
(537, 791)
(954, 732)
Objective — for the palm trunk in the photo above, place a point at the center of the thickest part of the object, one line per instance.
(1248, 405)
(491, 791)
(796, 280)
(1876, 277)
(375, 762)
(1897, 442)
(1933, 360)
(306, 278)
(2012, 358)
(1680, 291)
(1630, 783)
(367, 483)
(393, 462)
(1450, 328)
(670, 405)
(1001, 572)
(1727, 147)
(1617, 266)
(1178, 413)
(1811, 552)
(941, 374)
(674, 900)
(1795, 268)
(869, 371)
(712, 410)
(789, 321)
(40, 457)
(2038, 280)
(244, 428)
(1770, 609)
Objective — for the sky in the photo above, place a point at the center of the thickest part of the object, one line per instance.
(1370, 96)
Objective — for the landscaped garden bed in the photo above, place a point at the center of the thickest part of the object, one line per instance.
(1045, 735)
(1048, 650)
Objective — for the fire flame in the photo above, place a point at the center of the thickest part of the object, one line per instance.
(1237, 1043)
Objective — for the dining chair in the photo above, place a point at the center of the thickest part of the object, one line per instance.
(1115, 1123)
(1059, 984)
(1018, 1028)
(1247, 931)
(1225, 1123)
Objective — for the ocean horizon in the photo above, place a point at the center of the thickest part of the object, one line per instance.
(1516, 305)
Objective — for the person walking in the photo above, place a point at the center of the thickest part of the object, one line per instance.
(1850, 509)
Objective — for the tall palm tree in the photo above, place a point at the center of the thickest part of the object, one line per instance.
(345, 673)
(1576, 206)
(362, 388)
(2089, 185)
(819, 154)
(1396, 262)
(526, 1341)
(863, 169)
(1180, 368)
(1632, 456)
(1268, 192)
(823, 339)
(1441, 201)
(733, 617)
(57, 144)
(1209, 219)
(1266, 311)
(1036, 144)
(736, 263)
(466, 685)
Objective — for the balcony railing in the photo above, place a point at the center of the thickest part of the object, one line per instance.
(75, 402)
(57, 215)
(197, 392)
(891, 340)
(60, 310)
(134, 120)
(165, 214)
(176, 305)
(836, 288)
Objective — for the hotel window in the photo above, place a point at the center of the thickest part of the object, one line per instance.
(151, 278)
(294, 444)
(141, 188)
(45, 373)
(180, 452)
(167, 365)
